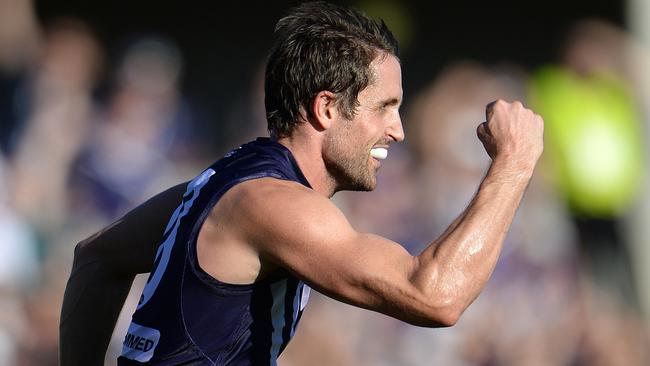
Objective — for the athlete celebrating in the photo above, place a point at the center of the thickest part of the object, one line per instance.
(232, 252)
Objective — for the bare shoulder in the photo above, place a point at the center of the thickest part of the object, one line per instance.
(271, 210)
(259, 192)
(245, 221)
(282, 224)
(266, 196)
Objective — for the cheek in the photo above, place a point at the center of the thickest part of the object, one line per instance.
(363, 131)
(341, 144)
(370, 125)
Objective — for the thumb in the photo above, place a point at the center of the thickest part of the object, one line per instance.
(482, 130)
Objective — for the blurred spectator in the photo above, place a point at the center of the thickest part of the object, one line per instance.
(144, 140)
(19, 270)
(18, 252)
(19, 35)
(594, 145)
(60, 110)
(19, 46)
(50, 108)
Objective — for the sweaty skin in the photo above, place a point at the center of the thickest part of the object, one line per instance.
(265, 224)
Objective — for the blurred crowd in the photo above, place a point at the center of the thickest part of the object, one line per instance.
(82, 142)
(84, 138)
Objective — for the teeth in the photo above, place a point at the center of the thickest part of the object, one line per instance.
(379, 153)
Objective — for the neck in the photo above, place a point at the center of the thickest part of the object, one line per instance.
(307, 150)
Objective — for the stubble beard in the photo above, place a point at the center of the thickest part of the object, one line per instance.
(348, 165)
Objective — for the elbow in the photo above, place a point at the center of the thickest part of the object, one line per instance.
(82, 250)
(84, 253)
(442, 317)
(433, 315)
(437, 308)
(440, 304)
(448, 317)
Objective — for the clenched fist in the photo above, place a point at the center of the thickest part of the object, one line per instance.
(512, 133)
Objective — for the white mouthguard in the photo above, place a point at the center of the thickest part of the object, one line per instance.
(379, 153)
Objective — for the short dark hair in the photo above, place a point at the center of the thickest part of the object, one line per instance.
(321, 46)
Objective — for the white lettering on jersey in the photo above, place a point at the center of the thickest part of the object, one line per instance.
(140, 343)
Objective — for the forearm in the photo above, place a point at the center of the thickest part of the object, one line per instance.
(92, 302)
(456, 267)
(104, 268)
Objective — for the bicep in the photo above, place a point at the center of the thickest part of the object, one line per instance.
(313, 239)
(363, 270)
(129, 245)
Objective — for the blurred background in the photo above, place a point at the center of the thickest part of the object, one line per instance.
(103, 104)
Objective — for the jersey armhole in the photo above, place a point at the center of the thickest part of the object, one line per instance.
(220, 287)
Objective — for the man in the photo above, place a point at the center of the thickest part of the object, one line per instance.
(227, 283)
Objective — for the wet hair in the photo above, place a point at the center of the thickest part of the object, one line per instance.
(321, 46)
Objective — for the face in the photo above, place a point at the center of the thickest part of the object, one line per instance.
(354, 148)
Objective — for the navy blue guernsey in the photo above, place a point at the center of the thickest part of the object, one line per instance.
(187, 317)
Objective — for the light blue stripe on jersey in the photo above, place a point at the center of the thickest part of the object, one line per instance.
(164, 251)
(279, 292)
(302, 299)
(296, 309)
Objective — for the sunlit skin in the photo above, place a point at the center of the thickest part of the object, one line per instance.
(266, 225)
(377, 123)
(262, 225)
(334, 152)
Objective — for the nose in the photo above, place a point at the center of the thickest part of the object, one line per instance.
(395, 130)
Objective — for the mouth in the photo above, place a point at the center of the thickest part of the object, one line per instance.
(379, 153)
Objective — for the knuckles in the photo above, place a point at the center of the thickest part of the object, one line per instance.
(501, 109)
(512, 117)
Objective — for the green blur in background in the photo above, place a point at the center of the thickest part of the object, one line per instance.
(593, 140)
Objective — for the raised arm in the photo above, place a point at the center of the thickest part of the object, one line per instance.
(102, 273)
(304, 232)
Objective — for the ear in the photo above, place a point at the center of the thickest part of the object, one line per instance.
(324, 110)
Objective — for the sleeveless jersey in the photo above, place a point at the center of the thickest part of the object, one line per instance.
(187, 317)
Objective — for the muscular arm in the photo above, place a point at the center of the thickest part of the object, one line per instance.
(102, 273)
(456, 266)
(304, 232)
